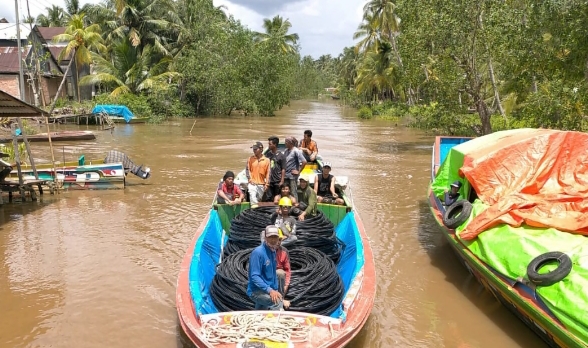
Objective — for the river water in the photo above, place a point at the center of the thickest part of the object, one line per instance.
(99, 268)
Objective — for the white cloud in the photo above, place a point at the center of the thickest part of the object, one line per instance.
(36, 7)
(324, 26)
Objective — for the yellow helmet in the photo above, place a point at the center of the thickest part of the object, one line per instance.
(285, 201)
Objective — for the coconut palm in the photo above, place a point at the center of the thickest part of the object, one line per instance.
(128, 69)
(368, 32)
(55, 17)
(80, 40)
(276, 34)
(376, 73)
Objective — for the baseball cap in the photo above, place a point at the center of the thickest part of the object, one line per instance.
(271, 230)
(257, 145)
(456, 184)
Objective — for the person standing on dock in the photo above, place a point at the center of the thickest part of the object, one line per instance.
(295, 163)
(263, 285)
(258, 170)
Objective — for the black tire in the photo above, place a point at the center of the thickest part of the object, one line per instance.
(457, 214)
(564, 268)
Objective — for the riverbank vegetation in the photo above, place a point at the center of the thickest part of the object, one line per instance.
(469, 68)
(186, 57)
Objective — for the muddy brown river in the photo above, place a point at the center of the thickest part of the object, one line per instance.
(99, 268)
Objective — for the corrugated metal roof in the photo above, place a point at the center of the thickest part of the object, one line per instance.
(9, 59)
(56, 51)
(14, 107)
(48, 33)
(8, 31)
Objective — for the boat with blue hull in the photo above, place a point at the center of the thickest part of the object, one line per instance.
(199, 316)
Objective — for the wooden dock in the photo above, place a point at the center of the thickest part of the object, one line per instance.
(27, 186)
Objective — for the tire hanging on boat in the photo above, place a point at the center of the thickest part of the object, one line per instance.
(315, 285)
(457, 213)
(564, 268)
(316, 232)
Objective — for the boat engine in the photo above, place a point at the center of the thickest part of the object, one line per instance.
(114, 156)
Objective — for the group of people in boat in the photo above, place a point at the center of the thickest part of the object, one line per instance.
(276, 174)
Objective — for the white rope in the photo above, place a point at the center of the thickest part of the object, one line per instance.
(244, 327)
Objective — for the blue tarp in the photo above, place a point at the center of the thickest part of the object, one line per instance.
(117, 110)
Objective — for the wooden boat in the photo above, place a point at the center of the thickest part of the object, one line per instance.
(117, 119)
(323, 331)
(95, 175)
(56, 136)
(119, 114)
(516, 169)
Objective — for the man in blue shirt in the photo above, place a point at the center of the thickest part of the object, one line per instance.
(263, 280)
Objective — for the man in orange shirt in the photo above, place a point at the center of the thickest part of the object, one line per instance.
(309, 147)
(258, 169)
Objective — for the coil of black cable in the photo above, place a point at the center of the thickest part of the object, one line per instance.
(316, 232)
(315, 285)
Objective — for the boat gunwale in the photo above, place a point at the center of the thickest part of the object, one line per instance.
(363, 300)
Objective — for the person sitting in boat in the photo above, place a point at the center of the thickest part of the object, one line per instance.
(228, 192)
(452, 195)
(309, 147)
(324, 186)
(284, 222)
(306, 198)
(283, 272)
(262, 285)
(285, 192)
(114, 156)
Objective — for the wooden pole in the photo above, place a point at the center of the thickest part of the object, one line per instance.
(28, 147)
(17, 160)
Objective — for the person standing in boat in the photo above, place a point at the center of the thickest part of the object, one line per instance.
(309, 147)
(277, 168)
(295, 163)
(452, 195)
(324, 186)
(306, 198)
(228, 192)
(262, 286)
(258, 174)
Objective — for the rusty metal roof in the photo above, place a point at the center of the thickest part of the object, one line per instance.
(14, 107)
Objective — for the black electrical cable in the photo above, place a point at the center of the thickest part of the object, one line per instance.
(316, 232)
(315, 285)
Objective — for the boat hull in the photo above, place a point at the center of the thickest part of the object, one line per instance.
(55, 136)
(324, 331)
(519, 298)
(76, 177)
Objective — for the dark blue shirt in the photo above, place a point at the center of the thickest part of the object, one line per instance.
(450, 198)
(262, 270)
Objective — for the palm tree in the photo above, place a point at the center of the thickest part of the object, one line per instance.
(369, 33)
(376, 73)
(55, 17)
(128, 69)
(388, 23)
(80, 40)
(276, 34)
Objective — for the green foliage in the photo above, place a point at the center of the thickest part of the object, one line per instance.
(365, 113)
(9, 150)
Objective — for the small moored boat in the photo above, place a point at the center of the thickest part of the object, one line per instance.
(199, 317)
(56, 136)
(519, 226)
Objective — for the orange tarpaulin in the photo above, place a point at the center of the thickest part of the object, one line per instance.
(539, 178)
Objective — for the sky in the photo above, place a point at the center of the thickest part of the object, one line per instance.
(324, 26)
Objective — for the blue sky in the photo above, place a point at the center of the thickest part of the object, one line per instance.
(324, 26)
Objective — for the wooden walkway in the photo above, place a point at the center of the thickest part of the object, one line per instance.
(27, 186)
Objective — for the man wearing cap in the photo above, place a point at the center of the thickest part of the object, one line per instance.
(258, 174)
(277, 168)
(307, 196)
(263, 285)
(453, 195)
(295, 163)
(228, 192)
